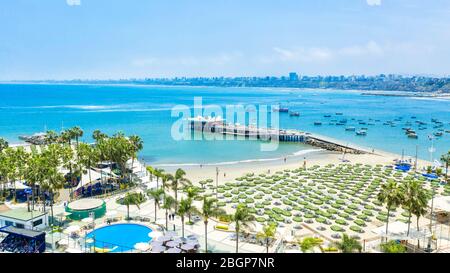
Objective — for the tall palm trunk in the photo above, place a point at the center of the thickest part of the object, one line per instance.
(206, 236)
(51, 206)
(155, 211)
(409, 222)
(128, 212)
(14, 192)
(90, 179)
(418, 240)
(182, 226)
(387, 220)
(237, 240)
(44, 201)
(132, 167)
(267, 245)
(167, 221)
(176, 196)
(32, 196)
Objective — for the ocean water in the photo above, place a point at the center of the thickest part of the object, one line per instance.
(146, 111)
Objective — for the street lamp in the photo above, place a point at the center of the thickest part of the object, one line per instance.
(217, 180)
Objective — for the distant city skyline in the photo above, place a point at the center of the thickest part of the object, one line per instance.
(82, 39)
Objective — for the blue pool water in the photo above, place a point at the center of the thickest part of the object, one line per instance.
(119, 237)
(146, 111)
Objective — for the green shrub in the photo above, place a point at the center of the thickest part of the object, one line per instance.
(337, 229)
(393, 247)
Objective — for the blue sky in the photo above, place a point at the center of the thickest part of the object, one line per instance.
(67, 39)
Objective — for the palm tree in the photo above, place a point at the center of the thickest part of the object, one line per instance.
(178, 180)
(136, 145)
(20, 162)
(414, 195)
(159, 173)
(7, 168)
(66, 137)
(209, 209)
(185, 208)
(391, 195)
(156, 194)
(55, 183)
(169, 204)
(166, 177)
(309, 243)
(418, 205)
(242, 218)
(88, 156)
(268, 232)
(446, 159)
(191, 193)
(150, 170)
(348, 244)
(97, 135)
(3, 144)
(51, 137)
(76, 133)
(132, 199)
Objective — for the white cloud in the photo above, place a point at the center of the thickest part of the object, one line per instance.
(301, 54)
(371, 48)
(322, 54)
(373, 2)
(73, 2)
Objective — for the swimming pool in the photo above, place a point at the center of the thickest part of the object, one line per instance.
(118, 237)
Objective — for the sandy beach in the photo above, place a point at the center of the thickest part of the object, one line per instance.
(228, 172)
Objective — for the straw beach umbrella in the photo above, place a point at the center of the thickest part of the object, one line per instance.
(174, 250)
(142, 246)
(158, 249)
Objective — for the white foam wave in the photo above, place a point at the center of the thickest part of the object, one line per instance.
(298, 153)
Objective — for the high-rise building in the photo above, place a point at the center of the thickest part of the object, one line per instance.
(293, 76)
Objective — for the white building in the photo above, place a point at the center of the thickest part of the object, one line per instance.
(22, 218)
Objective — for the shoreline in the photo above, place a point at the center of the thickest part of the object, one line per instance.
(229, 172)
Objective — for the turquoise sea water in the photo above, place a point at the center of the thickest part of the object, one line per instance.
(146, 111)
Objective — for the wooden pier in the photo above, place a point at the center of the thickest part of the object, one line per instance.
(219, 126)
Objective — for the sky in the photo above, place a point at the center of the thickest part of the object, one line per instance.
(117, 39)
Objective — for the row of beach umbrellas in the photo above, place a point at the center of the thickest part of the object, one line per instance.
(168, 243)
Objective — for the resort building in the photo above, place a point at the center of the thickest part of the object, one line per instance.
(22, 218)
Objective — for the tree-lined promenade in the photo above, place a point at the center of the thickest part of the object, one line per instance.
(61, 161)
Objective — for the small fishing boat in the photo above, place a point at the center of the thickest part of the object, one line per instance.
(413, 117)
(281, 110)
(317, 123)
(339, 114)
(361, 133)
(350, 129)
(327, 116)
(362, 122)
(438, 134)
(447, 131)
(340, 123)
(370, 123)
(412, 135)
(294, 114)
